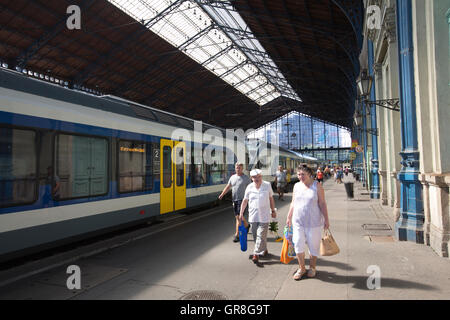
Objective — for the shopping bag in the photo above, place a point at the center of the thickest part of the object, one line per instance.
(243, 236)
(328, 246)
(284, 258)
(288, 236)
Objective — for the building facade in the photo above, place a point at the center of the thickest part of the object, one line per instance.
(407, 47)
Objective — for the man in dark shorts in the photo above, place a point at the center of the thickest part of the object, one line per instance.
(237, 183)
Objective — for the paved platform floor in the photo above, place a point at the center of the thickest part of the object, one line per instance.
(198, 254)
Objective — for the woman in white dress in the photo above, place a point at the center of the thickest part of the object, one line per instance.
(308, 214)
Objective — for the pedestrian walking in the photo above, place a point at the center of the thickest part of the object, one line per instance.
(348, 181)
(280, 181)
(237, 183)
(335, 174)
(320, 176)
(340, 175)
(307, 214)
(327, 172)
(259, 197)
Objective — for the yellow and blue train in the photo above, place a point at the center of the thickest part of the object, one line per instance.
(74, 165)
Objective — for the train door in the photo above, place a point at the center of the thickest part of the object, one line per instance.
(90, 165)
(172, 176)
(288, 170)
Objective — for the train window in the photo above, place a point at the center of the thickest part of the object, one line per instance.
(135, 166)
(81, 167)
(199, 174)
(247, 161)
(167, 167)
(17, 166)
(200, 170)
(217, 166)
(179, 166)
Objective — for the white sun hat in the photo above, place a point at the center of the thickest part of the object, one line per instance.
(255, 172)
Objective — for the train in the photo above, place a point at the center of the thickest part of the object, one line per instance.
(74, 164)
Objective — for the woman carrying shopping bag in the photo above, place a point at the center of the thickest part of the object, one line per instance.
(308, 215)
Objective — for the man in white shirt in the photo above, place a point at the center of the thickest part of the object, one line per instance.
(259, 197)
(280, 180)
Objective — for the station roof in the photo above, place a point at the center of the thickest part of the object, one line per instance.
(228, 63)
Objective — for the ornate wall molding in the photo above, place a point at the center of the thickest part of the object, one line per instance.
(378, 67)
(389, 25)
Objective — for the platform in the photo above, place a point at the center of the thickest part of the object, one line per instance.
(196, 253)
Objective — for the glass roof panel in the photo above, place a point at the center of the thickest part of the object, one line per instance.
(203, 31)
(232, 78)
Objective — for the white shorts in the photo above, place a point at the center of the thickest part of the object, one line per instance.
(311, 236)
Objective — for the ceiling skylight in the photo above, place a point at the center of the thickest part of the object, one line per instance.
(217, 38)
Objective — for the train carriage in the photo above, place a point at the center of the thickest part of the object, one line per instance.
(73, 165)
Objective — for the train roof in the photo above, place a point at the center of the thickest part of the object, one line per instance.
(293, 153)
(304, 156)
(14, 80)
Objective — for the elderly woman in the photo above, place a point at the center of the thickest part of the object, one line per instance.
(308, 214)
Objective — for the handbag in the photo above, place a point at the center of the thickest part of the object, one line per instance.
(284, 257)
(243, 236)
(328, 246)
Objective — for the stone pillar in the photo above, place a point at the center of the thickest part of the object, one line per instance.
(426, 208)
(383, 175)
(397, 195)
(433, 83)
(392, 118)
(380, 88)
(410, 225)
(424, 116)
(439, 213)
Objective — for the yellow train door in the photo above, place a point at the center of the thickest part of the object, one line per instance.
(180, 175)
(172, 176)
(288, 169)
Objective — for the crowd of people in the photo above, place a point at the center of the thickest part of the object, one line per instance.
(308, 214)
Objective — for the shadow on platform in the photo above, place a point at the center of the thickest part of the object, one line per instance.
(360, 282)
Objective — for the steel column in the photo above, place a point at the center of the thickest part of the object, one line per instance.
(375, 187)
(410, 225)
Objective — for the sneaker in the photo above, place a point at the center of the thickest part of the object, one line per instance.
(255, 258)
(236, 239)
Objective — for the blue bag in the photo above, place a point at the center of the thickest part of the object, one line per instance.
(288, 233)
(243, 236)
